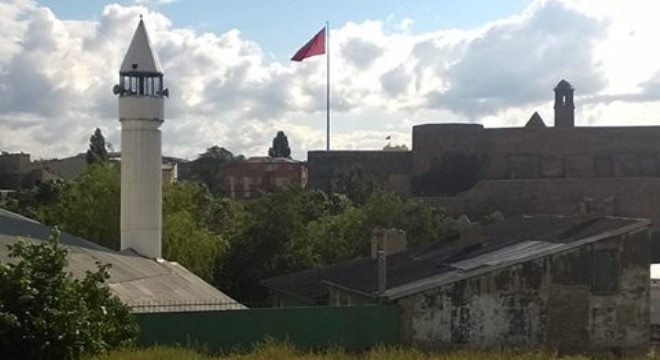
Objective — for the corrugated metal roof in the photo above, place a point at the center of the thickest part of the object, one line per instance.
(413, 270)
(133, 278)
(510, 253)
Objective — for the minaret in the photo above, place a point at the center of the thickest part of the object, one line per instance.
(141, 96)
(564, 106)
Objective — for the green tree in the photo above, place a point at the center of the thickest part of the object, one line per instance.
(46, 313)
(401, 147)
(280, 147)
(209, 167)
(188, 237)
(90, 207)
(272, 241)
(355, 182)
(97, 151)
(37, 202)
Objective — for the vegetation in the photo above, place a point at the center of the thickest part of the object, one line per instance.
(97, 152)
(400, 147)
(45, 313)
(279, 351)
(285, 231)
(280, 147)
(208, 168)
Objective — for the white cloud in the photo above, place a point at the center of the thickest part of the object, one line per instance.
(56, 76)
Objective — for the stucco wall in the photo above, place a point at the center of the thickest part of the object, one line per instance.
(544, 301)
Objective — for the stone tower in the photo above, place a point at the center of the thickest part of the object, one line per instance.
(141, 97)
(564, 106)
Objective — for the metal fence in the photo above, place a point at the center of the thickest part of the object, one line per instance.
(139, 307)
(208, 325)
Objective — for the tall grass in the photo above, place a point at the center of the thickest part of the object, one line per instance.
(280, 351)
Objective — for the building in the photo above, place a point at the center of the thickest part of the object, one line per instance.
(146, 285)
(138, 274)
(571, 282)
(17, 171)
(535, 169)
(141, 93)
(257, 175)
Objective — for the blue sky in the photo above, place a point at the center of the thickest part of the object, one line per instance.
(492, 62)
(280, 26)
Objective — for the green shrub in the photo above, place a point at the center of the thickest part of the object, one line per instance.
(46, 313)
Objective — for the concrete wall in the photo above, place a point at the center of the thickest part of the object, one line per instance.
(392, 168)
(544, 301)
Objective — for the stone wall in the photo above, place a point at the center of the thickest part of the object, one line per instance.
(549, 300)
(392, 168)
(586, 152)
(628, 197)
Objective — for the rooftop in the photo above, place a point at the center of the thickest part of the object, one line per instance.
(420, 268)
(140, 57)
(134, 279)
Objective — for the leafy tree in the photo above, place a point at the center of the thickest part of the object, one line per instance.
(45, 313)
(209, 166)
(280, 147)
(97, 151)
(401, 147)
(355, 182)
(187, 229)
(272, 241)
(90, 207)
(37, 202)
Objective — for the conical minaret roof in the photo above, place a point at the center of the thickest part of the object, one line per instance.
(140, 57)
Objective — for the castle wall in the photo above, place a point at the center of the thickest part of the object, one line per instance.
(628, 197)
(388, 167)
(431, 141)
(526, 153)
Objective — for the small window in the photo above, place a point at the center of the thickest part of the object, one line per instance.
(604, 271)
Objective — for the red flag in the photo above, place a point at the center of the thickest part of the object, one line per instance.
(314, 47)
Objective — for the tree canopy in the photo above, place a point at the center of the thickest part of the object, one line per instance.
(97, 149)
(209, 166)
(46, 313)
(280, 147)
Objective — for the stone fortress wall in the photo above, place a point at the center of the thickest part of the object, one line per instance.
(527, 170)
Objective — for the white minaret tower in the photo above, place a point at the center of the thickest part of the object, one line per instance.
(141, 96)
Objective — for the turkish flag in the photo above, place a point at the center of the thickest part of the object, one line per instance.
(314, 47)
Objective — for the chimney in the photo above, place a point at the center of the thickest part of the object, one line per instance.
(382, 272)
(391, 241)
(470, 232)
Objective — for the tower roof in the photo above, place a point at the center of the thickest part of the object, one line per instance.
(535, 121)
(563, 85)
(140, 57)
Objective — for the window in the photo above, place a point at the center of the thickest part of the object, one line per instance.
(604, 272)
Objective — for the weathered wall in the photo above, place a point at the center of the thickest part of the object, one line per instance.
(629, 197)
(392, 168)
(543, 301)
(571, 152)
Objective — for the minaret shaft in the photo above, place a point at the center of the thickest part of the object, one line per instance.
(141, 176)
(141, 113)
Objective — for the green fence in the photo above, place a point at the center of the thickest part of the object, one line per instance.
(351, 327)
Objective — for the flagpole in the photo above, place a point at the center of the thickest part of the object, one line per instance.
(327, 89)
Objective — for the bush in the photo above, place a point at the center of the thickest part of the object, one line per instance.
(45, 313)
